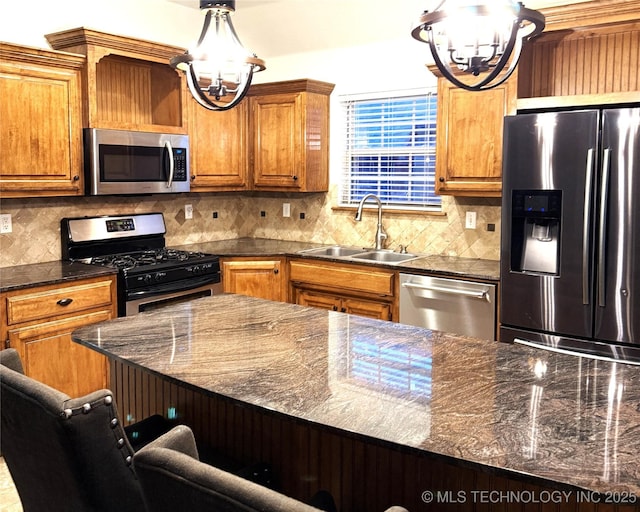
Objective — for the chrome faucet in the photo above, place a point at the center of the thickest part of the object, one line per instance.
(381, 235)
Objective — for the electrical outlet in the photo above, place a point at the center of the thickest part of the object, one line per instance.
(470, 221)
(286, 209)
(5, 223)
(188, 211)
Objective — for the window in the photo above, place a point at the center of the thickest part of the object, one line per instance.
(391, 150)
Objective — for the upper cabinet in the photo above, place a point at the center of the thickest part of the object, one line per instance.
(41, 113)
(289, 126)
(469, 138)
(128, 84)
(587, 65)
(218, 141)
(276, 139)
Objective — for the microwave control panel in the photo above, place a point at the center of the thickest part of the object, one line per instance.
(180, 164)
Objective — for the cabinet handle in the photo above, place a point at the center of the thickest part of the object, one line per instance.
(295, 178)
(275, 271)
(64, 302)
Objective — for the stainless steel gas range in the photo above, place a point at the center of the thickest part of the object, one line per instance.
(150, 275)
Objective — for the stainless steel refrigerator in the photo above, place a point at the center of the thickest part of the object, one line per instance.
(570, 253)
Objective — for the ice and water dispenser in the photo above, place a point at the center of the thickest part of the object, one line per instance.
(535, 231)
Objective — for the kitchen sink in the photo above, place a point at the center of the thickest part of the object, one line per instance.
(335, 251)
(354, 254)
(384, 256)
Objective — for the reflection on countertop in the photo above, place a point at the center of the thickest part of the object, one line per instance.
(553, 417)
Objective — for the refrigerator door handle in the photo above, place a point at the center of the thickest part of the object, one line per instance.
(585, 227)
(604, 194)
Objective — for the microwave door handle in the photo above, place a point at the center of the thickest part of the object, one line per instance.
(169, 149)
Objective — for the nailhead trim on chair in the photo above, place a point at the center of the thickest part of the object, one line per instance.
(118, 431)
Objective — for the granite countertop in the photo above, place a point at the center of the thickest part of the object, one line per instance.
(450, 266)
(534, 414)
(52, 272)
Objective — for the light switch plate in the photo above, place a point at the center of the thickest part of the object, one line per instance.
(470, 221)
(188, 211)
(286, 209)
(5, 223)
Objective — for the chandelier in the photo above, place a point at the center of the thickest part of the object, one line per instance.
(478, 38)
(219, 70)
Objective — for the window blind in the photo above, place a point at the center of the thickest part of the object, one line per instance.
(390, 150)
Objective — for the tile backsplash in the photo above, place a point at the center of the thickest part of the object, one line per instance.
(36, 222)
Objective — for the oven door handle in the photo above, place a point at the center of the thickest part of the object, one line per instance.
(177, 286)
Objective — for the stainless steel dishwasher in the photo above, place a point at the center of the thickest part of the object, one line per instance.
(450, 305)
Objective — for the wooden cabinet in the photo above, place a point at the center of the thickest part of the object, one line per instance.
(128, 84)
(218, 142)
(289, 126)
(41, 113)
(262, 278)
(469, 138)
(587, 65)
(38, 323)
(369, 308)
(348, 288)
(276, 139)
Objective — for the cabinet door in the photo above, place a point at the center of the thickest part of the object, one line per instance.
(367, 308)
(41, 143)
(49, 355)
(469, 138)
(317, 300)
(262, 279)
(218, 144)
(278, 151)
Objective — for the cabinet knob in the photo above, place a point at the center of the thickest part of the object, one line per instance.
(344, 310)
(76, 178)
(193, 177)
(294, 178)
(441, 179)
(275, 271)
(335, 308)
(64, 302)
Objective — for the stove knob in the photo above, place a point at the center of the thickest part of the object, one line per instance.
(196, 269)
(158, 276)
(147, 278)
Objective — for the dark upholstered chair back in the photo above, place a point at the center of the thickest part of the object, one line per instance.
(64, 454)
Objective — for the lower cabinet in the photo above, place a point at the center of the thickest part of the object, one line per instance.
(341, 287)
(38, 323)
(362, 307)
(262, 278)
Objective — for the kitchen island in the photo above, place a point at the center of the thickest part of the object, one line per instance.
(382, 413)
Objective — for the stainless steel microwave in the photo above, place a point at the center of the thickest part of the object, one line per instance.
(128, 162)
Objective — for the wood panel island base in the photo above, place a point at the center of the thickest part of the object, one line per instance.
(381, 413)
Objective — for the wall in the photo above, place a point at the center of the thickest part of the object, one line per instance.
(382, 66)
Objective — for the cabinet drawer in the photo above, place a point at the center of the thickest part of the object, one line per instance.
(58, 301)
(360, 279)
